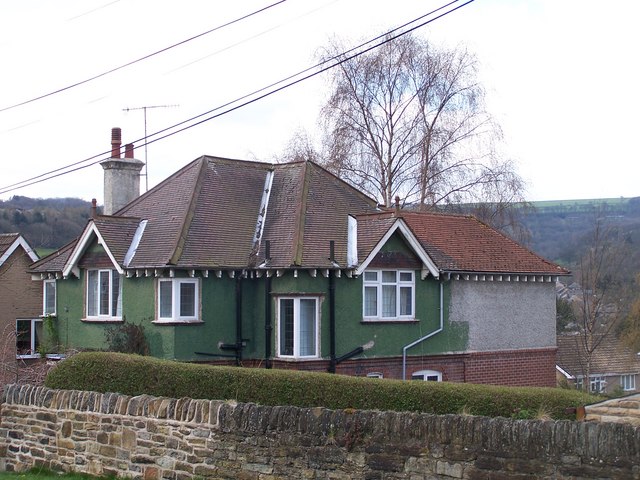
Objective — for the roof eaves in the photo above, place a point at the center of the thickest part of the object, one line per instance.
(19, 242)
(83, 242)
(412, 240)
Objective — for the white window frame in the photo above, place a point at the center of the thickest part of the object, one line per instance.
(597, 383)
(296, 326)
(628, 382)
(427, 375)
(175, 300)
(115, 316)
(33, 349)
(46, 310)
(378, 283)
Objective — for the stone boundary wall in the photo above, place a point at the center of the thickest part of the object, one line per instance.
(616, 410)
(179, 439)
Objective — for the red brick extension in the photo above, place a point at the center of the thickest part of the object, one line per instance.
(533, 368)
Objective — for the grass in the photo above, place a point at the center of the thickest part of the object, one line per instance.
(44, 474)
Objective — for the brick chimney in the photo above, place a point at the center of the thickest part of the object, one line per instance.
(121, 175)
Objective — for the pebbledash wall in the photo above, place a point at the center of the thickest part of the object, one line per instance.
(179, 439)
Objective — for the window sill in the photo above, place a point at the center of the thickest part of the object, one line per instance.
(177, 322)
(297, 359)
(102, 320)
(389, 320)
(27, 357)
(48, 315)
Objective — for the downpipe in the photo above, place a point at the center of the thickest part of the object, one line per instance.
(429, 335)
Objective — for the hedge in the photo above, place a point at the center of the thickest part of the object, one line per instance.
(137, 375)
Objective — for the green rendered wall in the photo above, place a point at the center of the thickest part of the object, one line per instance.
(181, 341)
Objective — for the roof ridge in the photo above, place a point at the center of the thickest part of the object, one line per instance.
(188, 218)
(298, 247)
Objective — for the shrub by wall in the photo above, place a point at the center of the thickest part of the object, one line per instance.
(136, 375)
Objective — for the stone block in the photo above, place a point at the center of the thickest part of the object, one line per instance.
(453, 470)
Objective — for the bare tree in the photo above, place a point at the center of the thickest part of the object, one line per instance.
(602, 305)
(408, 119)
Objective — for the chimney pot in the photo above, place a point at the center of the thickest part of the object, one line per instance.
(94, 208)
(397, 204)
(128, 150)
(116, 135)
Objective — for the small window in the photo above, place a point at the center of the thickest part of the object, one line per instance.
(427, 376)
(388, 294)
(298, 327)
(375, 375)
(28, 337)
(178, 299)
(49, 297)
(597, 383)
(104, 294)
(628, 382)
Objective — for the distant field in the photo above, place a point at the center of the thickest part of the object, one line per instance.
(582, 202)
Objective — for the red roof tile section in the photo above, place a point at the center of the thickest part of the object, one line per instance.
(460, 243)
(6, 240)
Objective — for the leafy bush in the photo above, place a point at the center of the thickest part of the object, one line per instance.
(127, 337)
(136, 375)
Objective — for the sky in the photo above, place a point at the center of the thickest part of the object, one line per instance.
(561, 78)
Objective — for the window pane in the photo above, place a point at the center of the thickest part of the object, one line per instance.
(389, 276)
(116, 300)
(405, 301)
(389, 300)
(49, 297)
(166, 293)
(307, 327)
(187, 299)
(286, 326)
(406, 276)
(371, 276)
(370, 301)
(92, 293)
(104, 293)
(23, 337)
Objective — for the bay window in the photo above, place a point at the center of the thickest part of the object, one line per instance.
(388, 294)
(104, 294)
(298, 327)
(178, 299)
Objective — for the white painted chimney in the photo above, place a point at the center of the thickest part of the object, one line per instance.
(121, 175)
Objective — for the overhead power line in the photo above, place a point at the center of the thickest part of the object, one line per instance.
(254, 96)
(133, 62)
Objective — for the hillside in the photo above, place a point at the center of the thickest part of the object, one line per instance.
(46, 223)
(558, 230)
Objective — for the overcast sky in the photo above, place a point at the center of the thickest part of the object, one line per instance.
(561, 76)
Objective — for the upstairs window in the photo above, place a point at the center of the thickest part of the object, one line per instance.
(389, 294)
(298, 327)
(104, 294)
(178, 299)
(49, 297)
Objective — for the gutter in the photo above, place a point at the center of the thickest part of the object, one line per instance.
(422, 339)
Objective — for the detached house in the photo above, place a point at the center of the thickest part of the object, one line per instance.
(613, 367)
(287, 266)
(21, 303)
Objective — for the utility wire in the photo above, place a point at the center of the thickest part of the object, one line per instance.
(146, 57)
(251, 97)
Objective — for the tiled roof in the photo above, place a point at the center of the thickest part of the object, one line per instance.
(610, 357)
(462, 243)
(6, 240)
(54, 262)
(218, 213)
